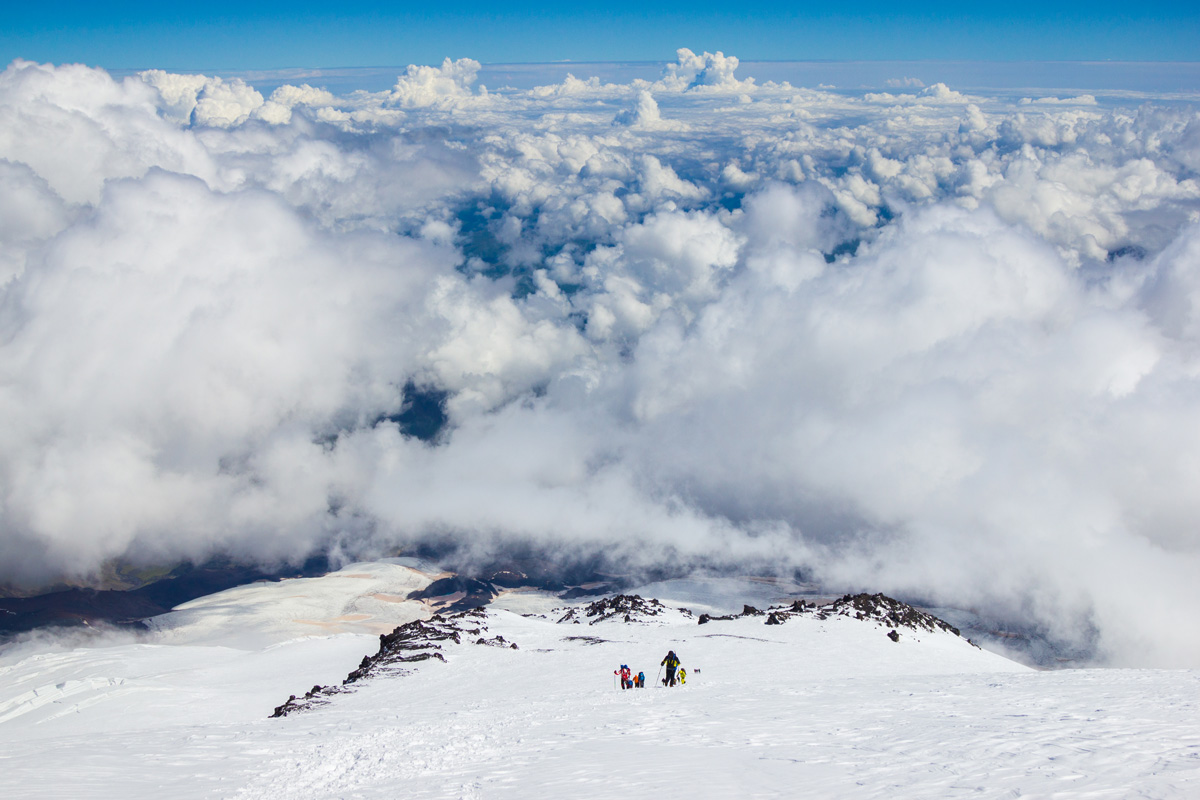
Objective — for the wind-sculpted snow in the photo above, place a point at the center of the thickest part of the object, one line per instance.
(931, 340)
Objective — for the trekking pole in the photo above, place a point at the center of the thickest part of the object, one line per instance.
(656, 679)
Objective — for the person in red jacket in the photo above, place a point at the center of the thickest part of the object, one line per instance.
(626, 683)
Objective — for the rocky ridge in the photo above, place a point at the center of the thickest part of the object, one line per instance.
(424, 640)
(623, 607)
(420, 640)
(879, 608)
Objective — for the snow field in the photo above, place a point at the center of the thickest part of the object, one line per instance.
(830, 709)
(359, 598)
(810, 708)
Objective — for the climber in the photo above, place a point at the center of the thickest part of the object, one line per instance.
(626, 683)
(671, 662)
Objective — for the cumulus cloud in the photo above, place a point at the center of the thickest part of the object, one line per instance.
(704, 72)
(924, 343)
(178, 92)
(1081, 100)
(278, 107)
(644, 115)
(223, 104)
(30, 213)
(210, 336)
(936, 94)
(103, 129)
(448, 85)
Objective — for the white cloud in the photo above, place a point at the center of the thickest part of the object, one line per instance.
(927, 343)
(644, 115)
(30, 213)
(76, 128)
(905, 83)
(938, 93)
(178, 92)
(1081, 100)
(203, 333)
(705, 72)
(445, 86)
(223, 104)
(278, 108)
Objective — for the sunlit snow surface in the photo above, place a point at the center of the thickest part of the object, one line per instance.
(359, 598)
(809, 708)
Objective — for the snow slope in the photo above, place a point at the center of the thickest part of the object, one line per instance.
(359, 598)
(809, 708)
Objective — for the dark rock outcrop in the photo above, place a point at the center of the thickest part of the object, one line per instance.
(879, 608)
(886, 610)
(580, 591)
(626, 607)
(475, 593)
(585, 639)
(774, 616)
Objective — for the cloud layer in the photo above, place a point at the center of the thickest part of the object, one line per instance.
(923, 342)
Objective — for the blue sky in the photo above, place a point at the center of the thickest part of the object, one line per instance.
(246, 35)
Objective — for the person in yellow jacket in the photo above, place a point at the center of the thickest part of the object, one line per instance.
(682, 676)
(671, 662)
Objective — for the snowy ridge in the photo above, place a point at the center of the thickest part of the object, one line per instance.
(422, 640)
(627, 607)
(878, 607)
(885, 609)
(419, 640)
